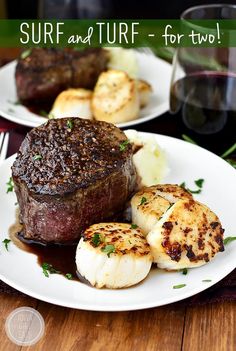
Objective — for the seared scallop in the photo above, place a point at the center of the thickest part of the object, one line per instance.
(188, 235)
(115, 98)
(145, 90)
(73, 102)
(113, 255)
(149, 204)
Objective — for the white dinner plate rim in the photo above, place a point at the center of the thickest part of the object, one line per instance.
(128, 307)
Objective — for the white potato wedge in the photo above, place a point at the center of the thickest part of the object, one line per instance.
(73, 103)
(113, 255)
(115, 97)
(144, 90)
(188, 235)
(150, 203)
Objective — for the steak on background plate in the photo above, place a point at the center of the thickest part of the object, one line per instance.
(70, 173)
(45, 73)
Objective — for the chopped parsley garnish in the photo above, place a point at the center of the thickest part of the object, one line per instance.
(198, 191)
(37, 157)
(179, 286)
(25, 53)
(185, 271)
(229, 239)
(187, 138)
(108, 249)
(48, 268)
(6, 242)
(45, 269)
(206, 280)
(133, 226)
(123, 145)
(96, 239)
(168, 208)
(143, 200)
(69, 124)
(10, 185)
(199, 184)
(43, 113)
(69, 276)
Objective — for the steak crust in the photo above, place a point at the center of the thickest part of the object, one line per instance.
(71, 173)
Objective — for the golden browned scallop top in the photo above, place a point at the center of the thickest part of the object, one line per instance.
(193, 228)
(175, 190)
(122, 238)
(151, 204)
(165, 190)
(158, 198)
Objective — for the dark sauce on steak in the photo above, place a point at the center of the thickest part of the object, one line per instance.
(61, 257)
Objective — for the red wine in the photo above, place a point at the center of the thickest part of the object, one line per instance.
(205, 105)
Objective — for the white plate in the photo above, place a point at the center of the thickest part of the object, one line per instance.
(187, 163)
(152, 69)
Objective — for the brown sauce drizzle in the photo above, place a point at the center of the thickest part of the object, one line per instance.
(61, 257)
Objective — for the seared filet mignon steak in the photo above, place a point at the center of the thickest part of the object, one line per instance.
(70, 173)
(44, 73)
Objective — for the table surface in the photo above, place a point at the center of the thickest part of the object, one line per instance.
(168, 328)
(173, 327)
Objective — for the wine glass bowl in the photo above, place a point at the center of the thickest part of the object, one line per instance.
(203, 86)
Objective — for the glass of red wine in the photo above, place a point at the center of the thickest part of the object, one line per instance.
(203, 87)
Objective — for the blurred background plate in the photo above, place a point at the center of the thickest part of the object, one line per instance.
(154, 70)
